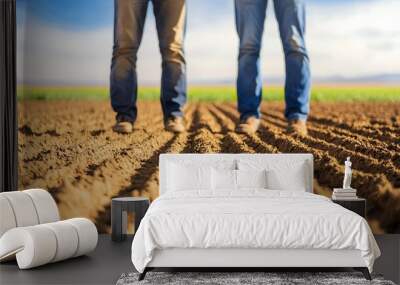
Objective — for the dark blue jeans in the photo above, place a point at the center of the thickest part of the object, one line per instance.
(250, 17)
(129, 21)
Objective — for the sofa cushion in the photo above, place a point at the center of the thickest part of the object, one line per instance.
(7, 220)
(23, 208)
(46, 207)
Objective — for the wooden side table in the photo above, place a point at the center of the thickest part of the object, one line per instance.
(357, 205)
(119, 214)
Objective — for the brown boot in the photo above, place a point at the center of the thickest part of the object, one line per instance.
(297, 127)
(248, 125)
(174, 124)
(123, 126)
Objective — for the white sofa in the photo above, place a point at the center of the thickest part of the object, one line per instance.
(31, 230)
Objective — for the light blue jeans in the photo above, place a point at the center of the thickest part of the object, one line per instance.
(250, 17)
(129, 22)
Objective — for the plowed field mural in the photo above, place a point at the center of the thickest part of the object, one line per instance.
(73, 63)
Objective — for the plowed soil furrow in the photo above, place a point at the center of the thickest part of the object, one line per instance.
(234, 143)
(358, 144)
(204, 139)
(360, 112)
(277, 123)
(192, 127)
(78, 160)
(376, 188)
(208, 120)
(251, 140)
(145, 182)
(71, 154)
(337, 120)
(48, 142)
(388, 146)
(70, 149)
(395, 131)
(260, 146)
(362, 146)
(230, 142)
(62, 143)
(377, 134)
(67, 117)
(361, 161)
(91, 193)
(225, 122)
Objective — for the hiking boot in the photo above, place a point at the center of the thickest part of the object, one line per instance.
(174, 124)
(297, 127)
(248, 125)
(123, 126)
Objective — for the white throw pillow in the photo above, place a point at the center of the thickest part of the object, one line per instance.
(281, 175)
(293, 180)
(223, 179)
(251, 178)
(182, 177)
(226, 179)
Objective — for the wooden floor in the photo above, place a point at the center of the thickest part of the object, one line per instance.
(110, 260)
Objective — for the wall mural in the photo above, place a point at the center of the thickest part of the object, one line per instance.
(67, 144)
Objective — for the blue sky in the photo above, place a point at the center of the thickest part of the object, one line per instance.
(93, 14)
(71, 14)
(69, 41)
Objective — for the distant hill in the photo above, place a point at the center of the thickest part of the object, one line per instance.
(392, 79)
(377, 78)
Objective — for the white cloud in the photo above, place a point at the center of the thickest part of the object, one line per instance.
(349, 40)
(355, 40)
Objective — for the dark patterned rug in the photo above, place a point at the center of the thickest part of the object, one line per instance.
(225, 278)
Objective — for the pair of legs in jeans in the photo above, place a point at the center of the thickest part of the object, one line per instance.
(250, 17)
(171, 20)
(129, 22)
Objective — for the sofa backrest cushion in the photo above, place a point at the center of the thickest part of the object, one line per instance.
(26, 208)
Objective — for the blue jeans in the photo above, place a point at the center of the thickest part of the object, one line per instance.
(129, 22)
(250, 17)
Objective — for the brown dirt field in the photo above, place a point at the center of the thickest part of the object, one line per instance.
(70, 149)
